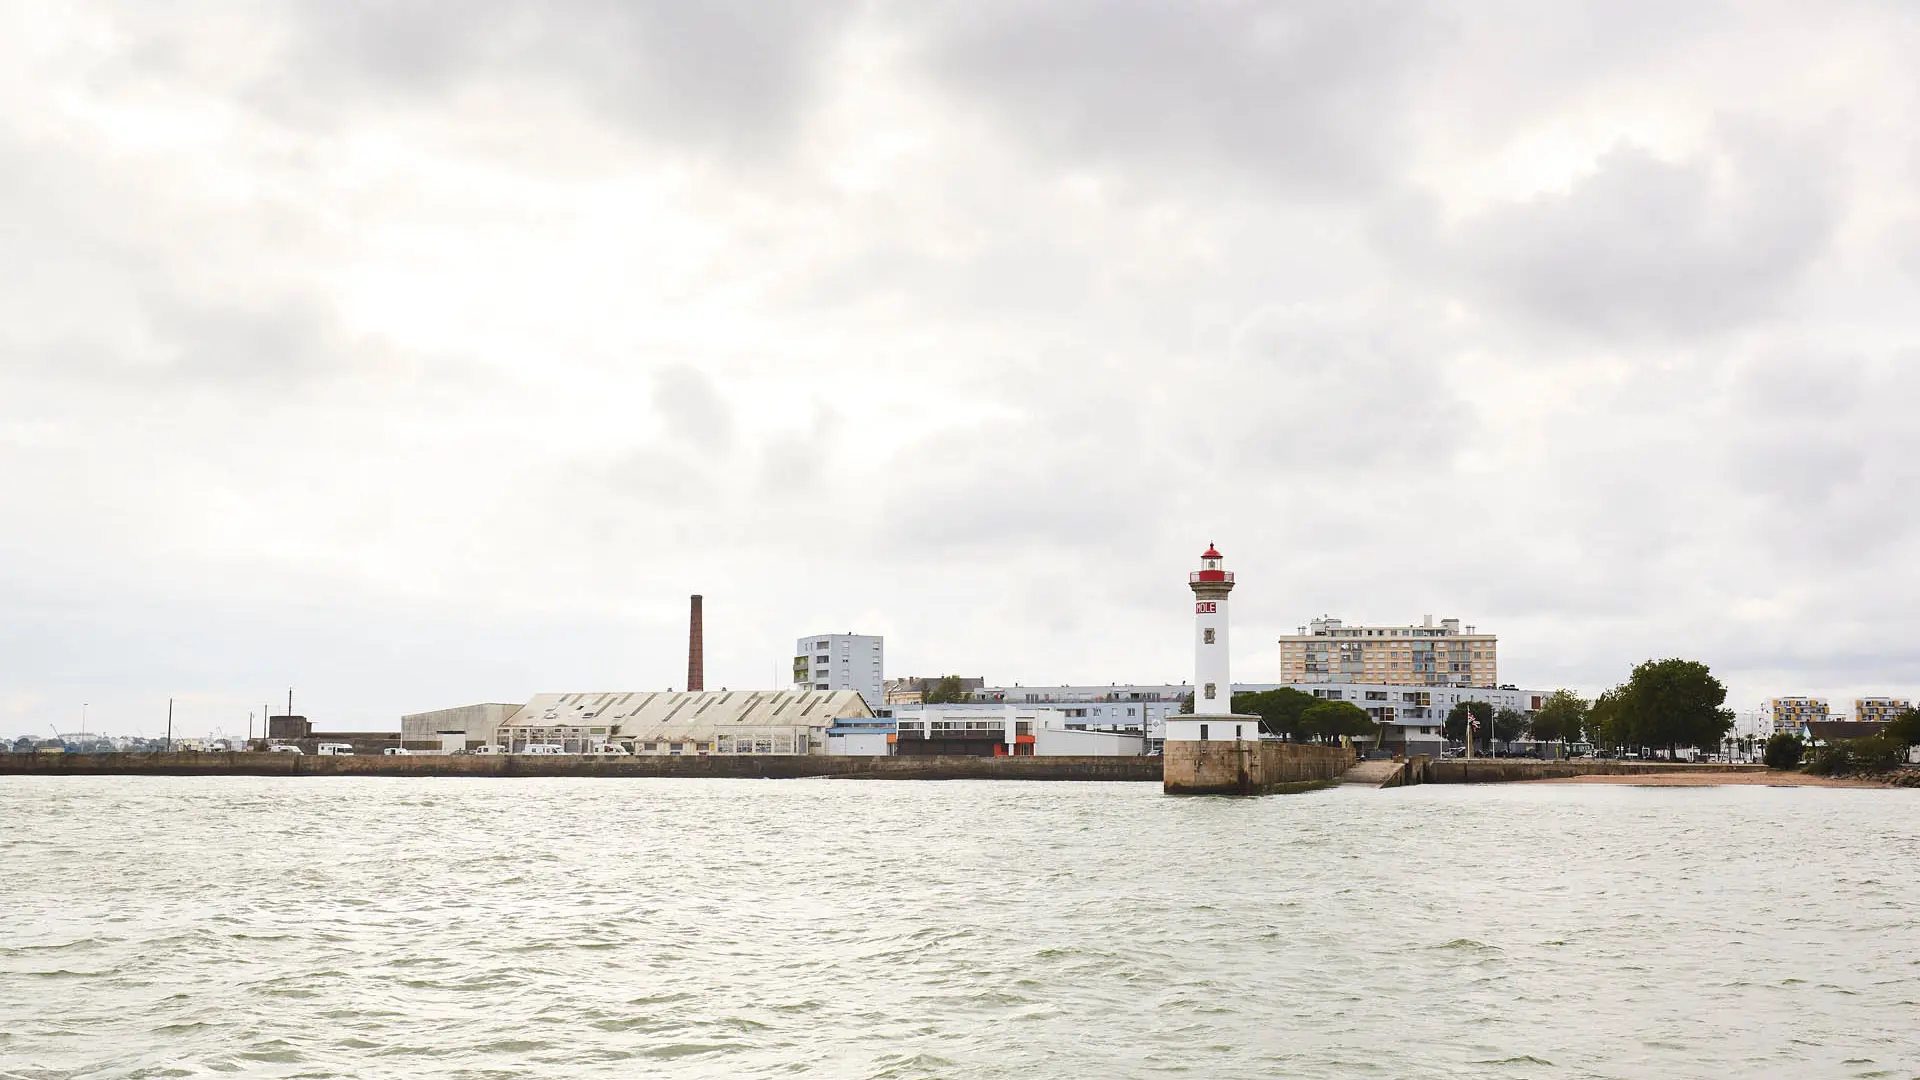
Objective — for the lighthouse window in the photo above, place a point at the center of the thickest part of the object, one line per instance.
(1209, 635)
(1209, 691)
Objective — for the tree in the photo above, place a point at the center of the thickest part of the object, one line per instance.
(1279, 710)
(1606, 720)
(1481, 711)
(1905, 728)
(1843, 757)
(1332, 719)
(1675, 703)
(946, 690)
(1783, 751)
(1509, 724)
(1561, 718)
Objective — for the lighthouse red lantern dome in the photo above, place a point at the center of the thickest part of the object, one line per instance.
(1210, 570)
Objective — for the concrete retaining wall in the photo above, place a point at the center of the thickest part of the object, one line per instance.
(1506, 770)
(772, 766)
(1220, 767)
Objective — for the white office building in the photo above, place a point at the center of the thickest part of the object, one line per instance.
(842, 662)
(1104, 707)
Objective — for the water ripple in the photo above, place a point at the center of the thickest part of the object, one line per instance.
(453, 928)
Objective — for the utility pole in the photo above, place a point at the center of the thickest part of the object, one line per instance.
(169, 725)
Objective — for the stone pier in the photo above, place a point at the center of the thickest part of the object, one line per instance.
(1250, 766)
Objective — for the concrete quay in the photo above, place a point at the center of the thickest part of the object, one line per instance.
(1217, 768)
(769, 766)
(1426, 770)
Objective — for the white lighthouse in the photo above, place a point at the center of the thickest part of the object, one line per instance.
(1213, 719)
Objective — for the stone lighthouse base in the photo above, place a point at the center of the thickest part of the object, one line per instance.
(1249, 766)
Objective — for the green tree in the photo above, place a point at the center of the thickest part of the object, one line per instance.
(1279, 710)
(1561, 718)
(946, 690)
(1783, 751)
(1843, 757)
(1905, 728)
(1332, 719)
(1675, 703)
(1481, 711)
(1509, 724)
(1606, 719)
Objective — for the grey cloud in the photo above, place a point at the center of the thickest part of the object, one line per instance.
(724, 75)
(1309, 96)
(1819, 440)
(1052, 480)
(694, 411)
(1642, 247)
(1355, 401)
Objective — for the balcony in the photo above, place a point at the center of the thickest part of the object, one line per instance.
(1209, 575)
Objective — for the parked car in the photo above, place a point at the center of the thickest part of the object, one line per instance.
(544, 748)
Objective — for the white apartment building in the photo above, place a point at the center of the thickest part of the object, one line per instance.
(842, 662)
(1329, 651)
(1793, 714)
(1879, 710)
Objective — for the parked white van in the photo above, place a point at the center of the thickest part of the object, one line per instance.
(544, 748)
(334, 749)
(283, 748)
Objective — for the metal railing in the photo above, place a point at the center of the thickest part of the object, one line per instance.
(1225, 575)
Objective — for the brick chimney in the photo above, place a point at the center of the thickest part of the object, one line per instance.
(696, 649)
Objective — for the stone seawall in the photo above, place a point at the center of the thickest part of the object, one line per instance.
(1251, 768)
(754, 766)
(1509, 770)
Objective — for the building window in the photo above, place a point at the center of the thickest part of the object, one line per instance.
(1209, 691)
(1208, 635)
(1203, 733)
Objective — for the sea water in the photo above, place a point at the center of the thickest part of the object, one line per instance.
(470, 927)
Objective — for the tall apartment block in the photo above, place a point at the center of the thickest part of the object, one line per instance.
(842, 662)
(1792, 714)
(1879, 710)
(1329, 651)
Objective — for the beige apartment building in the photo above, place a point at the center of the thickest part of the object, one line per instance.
(1879, 710)
(1793, 714)
(1329, 651)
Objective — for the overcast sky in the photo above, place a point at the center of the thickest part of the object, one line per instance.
(415, 354)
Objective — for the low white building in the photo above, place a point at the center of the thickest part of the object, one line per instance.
(861, 738)
(1056, 736)
(975, 729)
